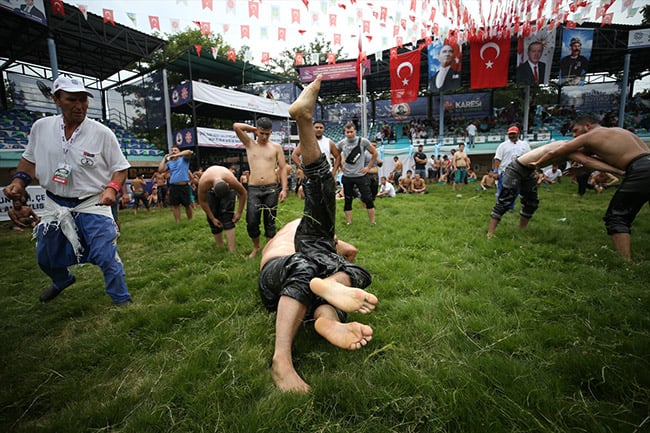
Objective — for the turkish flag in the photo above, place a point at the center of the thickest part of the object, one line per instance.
(154, 23)
(253, 9)
(489, 63)
(404, 77)
(57, 7)
(108, 16)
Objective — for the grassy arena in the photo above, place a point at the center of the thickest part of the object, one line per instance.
(545, 330)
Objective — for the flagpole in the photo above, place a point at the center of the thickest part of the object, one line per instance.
(364, 110)
(526, 111)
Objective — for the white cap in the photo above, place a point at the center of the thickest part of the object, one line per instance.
(70, 85)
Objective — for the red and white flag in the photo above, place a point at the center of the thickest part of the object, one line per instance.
(108, 16)
(154, 23)
(360, 58)
(405, 77)
(489, 63)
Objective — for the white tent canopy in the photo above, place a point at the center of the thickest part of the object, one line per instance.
(233, 99)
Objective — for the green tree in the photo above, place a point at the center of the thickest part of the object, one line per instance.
(179, 43)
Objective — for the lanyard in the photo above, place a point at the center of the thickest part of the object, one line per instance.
(65, 143)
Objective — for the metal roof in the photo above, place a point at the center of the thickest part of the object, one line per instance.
(86, 47)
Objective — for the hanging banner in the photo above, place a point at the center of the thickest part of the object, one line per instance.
(35, 200)
(574, 58)
(336, 71)
(32, 10)
(444, 66)
(536, 56)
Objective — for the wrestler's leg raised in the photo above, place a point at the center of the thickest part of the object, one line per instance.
(345, 298)
(302, 112)
(351, 336)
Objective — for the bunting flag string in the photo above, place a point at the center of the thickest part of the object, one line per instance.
(412, 21)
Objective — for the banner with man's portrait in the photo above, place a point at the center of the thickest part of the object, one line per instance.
(444, 66)
(574, 57)
(30, 9)
(534, 58)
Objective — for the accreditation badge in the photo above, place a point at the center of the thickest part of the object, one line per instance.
(62, 173)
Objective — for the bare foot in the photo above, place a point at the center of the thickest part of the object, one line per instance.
(351, 336)
(253, 253)
(348, 299)
(286, 378)
(304, 105)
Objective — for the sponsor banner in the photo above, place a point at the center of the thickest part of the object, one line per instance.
(639, 39)
(385, 111)
(36, 201)
(34, 94)
(592, 97)
(184, 138)
(208, 137)
(337, 71)
(181, 94)
(467, 105)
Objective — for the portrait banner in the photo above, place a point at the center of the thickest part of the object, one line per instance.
(535, 57)
(444, 66)
(574, 57)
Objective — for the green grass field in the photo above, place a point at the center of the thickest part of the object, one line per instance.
(543, 330)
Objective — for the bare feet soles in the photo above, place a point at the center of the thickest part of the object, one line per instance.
(304, 105)
(253, 253)
(348, 299)
(351, 336)
(286, 378)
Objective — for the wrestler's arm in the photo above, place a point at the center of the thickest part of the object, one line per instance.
(295, 156)
(241, 130)
(348, 251)
(242, 194)
(594, 163)
(283, 173)
(336, 154)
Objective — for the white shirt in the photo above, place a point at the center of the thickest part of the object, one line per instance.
(387, 187)
(471, 129)
(552, 175)
(93, 156)
(509, 151)
(324, 144)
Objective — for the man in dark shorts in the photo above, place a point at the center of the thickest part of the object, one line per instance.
(622, 149)
(302, 275)
(217, 189)
(178, 164)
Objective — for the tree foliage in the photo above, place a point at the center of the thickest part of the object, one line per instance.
(179, 43)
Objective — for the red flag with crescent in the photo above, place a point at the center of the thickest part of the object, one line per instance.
(404, 77)
(489, 63)
(154, 23)
(57, 7)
